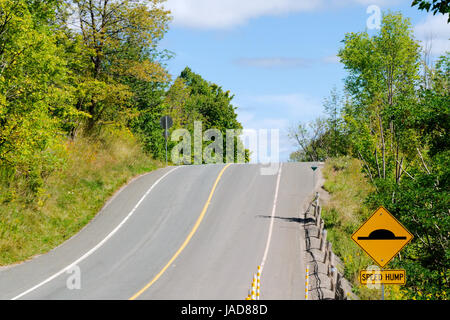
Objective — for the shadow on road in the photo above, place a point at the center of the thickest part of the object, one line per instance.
(291, 219)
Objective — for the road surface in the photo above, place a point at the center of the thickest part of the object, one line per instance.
(190, 232)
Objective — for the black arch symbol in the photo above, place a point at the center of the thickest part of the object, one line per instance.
(382, 234)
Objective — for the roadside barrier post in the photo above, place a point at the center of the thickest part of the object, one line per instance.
(318, 217)
(323, 239)
(333, 279)
(319, 230)
(326, 247)
(330, 253)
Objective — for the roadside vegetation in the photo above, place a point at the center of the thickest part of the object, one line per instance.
(391, 124)
(83, 85)
(91, 172)
(343, 214)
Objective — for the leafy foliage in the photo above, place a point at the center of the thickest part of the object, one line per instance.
(397, 126)
(120, 59)
(34, 94)
(400, 135)
(191, 98)
(79, 67)
(442, 6)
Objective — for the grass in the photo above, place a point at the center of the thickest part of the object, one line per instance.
(92, 171)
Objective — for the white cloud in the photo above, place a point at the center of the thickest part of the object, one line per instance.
(434, 31)
(223, 14)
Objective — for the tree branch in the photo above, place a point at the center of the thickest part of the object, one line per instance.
(423, 162)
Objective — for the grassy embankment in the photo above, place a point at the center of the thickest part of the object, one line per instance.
(91, 172)
(343, 214)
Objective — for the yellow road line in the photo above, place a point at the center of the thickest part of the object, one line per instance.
(185, 243)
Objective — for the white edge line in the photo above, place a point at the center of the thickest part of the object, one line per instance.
(87, 254)
(274, 208)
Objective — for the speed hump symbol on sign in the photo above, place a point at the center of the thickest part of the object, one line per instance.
(382, 236)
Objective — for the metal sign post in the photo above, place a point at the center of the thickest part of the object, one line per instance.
(166, 123)
(314, 168)
(165, 136)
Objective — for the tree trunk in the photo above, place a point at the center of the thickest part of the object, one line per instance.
(383, 146)
(367, 167)
(378, 165)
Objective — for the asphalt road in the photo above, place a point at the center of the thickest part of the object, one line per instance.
(191, 232)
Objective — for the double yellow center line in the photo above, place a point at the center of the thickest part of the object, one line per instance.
(186, 241)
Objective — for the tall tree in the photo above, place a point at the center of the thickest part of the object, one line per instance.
(333, 106)
(211, 101)
(120, 39)
(383, 73)
(35, 97)
(192, 98)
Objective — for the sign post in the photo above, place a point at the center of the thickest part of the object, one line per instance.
(314, 168)
(166, 122)
(382, 237)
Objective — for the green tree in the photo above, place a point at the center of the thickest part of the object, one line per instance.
(383, 73)
(442, 6)
(336, 135)
(34, 95)
(211, 102)
(399, 130)
(214, 106)
(121, 66)
(192, 98)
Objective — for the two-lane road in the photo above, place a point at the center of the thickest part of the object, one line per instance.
(191, 232)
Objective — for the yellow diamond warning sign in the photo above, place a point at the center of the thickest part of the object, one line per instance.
(382, 236)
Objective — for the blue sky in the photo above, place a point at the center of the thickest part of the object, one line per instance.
(278, 57)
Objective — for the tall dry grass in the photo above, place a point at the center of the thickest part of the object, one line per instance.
(91, 171)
